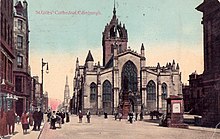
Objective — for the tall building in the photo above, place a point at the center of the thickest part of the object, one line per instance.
(211, 74)
(6, 54)
(123, 82)
(21, 69)
(204, 88)
(35, 97)
(67, 96)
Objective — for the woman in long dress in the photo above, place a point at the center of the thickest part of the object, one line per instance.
(24, 122)
(3, 123)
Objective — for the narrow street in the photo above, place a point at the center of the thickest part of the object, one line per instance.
(101, 128)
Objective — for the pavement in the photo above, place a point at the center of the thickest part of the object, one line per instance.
(101, 128)
(18, 134)
(30, 135)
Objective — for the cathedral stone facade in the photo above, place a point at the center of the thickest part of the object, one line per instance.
(123, 82)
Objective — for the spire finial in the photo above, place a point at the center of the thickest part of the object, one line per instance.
(114, 11)
(66, 80)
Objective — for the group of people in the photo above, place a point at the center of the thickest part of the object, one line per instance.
(134, 116)
(57, 117)
(9, 118)
(7, 122)
(30, 119)
(131, 116)
(88, 116)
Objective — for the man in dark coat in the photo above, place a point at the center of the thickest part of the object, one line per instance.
(67, 117)
(35, 120)
(11, 121)
(53, 120)
(130, 119)
(80, 116)
(62, 116)
(40, 116)
(88, 116)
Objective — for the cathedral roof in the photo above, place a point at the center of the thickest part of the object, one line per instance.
(89, 57)
(110, 63)
(129, 51)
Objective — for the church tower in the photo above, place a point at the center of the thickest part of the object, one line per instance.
(66, 95)
(114, 32)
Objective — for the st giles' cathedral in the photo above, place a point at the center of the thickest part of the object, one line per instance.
(123, 82)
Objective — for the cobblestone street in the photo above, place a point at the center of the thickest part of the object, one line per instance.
(101, 128)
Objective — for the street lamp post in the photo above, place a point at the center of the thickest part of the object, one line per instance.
(42, 79)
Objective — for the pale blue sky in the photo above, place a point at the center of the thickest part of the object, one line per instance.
(149, 21)
(169, 29)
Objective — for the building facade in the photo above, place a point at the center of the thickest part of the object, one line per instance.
(45, 102)
(6, 55)
(193, 94)
(204, 88)
(211, 74)
(124, 82)
(22, 77)
(37, 94)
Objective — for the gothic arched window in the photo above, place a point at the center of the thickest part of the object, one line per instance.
(129, 77)
(106, 94)
(164, 95)
(93, 92)
(151, 90)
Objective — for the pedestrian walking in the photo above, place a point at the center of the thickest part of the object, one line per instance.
(58, 120)
(130, 117)
(11, 121)
(67, 117)
(133, 117)
(48, 115)
(115, 114)
(136, 116)
(17, 119)
(24, 122)
(105, 115)
(31, 119)
(3, 124)
(40, 116)
(141, 116)
(120, 116)
(34, 115)
(62, 116)
(80, 116)
(88, 116)
(53, 120)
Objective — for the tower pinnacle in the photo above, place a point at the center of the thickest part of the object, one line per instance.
(66, 80)
(114, 10)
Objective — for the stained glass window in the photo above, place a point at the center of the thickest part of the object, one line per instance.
(107, 94)
(93, 92)
(151, 90)
(129, 77)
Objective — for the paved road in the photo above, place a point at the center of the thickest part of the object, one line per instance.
(101, 128)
